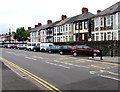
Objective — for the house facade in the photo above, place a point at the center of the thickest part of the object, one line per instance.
(8, 37)
(82, 26)
(34, 33)
(107, 24)
(63, 30)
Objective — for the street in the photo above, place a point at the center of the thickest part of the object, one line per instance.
(64, 72)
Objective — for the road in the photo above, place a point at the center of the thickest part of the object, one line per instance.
(65, 72)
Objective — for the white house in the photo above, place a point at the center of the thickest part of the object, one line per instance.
(107, 24)
(63, 30)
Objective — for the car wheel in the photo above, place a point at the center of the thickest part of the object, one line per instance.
(61, 53)
(95, 54)
(75, 54)
(42, 50)
(49, 51)
(34, 50)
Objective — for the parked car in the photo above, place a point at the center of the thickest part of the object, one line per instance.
(53, 49)
(7, 45)
(13, 46)
(65, 49)
(84, 50)
(31, 46)
(36, 47)
(1, 45)
(44, 46)
(22, 46)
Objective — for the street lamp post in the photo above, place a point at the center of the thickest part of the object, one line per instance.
(9, 34)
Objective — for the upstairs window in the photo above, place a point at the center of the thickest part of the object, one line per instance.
(101, 21)
(96, 21)
(80, 25)
(119, 18)
(77, 26)
(66, 28)
(108, 20)
(85, 25)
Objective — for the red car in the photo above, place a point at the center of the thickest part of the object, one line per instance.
(83, 50)
(14, 46)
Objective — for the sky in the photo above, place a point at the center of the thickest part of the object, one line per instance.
(27, 13)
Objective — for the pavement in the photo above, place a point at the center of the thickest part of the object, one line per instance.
(12, 81)
(107, 59)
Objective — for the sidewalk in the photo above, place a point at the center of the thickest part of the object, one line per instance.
(107, 59)
(11, 81)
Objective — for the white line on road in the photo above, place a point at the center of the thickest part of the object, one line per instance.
(38, 57)
(30, 58)
(110, 77)
(101, 75)
(57, 65)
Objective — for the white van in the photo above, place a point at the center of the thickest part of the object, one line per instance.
(43, 46)
(33, 46)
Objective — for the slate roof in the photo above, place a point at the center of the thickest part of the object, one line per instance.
(79, 17)
(110, 10)
(62, 22)
(54, 23)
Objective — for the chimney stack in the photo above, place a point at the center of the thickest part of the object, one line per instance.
(98, 11)
(63, 17)
(36, 26)
(84, 10)
(49, 21)
(29, 28)
(39, 24)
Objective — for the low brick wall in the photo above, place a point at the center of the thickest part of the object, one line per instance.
(106, 46)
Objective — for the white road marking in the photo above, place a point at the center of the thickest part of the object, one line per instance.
(57, 65)
(101, 75)
(38, 57)
(110, 77)
(30, 58)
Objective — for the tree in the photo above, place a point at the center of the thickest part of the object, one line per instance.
(21, 34)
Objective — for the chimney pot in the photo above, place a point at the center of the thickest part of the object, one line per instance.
(36, 26)
(39, 24)
(84, 10)
(63, 17)
(29, 28)
(49, 21)
(98, 11)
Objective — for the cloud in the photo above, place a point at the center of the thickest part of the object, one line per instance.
(18, 13)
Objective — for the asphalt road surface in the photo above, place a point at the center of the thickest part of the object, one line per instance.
(65, 72)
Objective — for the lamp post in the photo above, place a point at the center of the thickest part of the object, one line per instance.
(9, 34)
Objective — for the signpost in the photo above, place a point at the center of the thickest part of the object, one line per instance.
(114, 38)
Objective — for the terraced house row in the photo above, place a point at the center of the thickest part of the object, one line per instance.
(105, 25)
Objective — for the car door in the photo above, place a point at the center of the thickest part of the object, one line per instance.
(79, 50)
(69, 49)
(87, 50)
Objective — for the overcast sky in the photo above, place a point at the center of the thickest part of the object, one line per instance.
(27, 13)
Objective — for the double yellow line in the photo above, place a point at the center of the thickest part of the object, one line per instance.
(34, 77)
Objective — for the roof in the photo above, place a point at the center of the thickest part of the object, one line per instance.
(53, 24)
(110, 10)
(79, 17)
(62, 22)
(84, 16)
